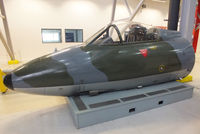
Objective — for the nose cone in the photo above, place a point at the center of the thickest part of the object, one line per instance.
(8, 81)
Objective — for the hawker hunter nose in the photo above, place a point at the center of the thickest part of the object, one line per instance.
(8, 81)
(110, 60)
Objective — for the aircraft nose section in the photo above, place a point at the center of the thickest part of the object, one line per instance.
(8, 81)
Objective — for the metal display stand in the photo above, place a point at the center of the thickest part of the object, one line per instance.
(89, 110)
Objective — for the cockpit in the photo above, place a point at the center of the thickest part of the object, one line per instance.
(135, 33)
(138, 33)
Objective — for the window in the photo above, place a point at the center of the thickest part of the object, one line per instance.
(73, 35)
(51, 36)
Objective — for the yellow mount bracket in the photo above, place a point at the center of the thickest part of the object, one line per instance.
(13, 62)
(186, 79)
(3, 88)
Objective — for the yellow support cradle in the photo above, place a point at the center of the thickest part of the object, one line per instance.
(13, 62)
(186, 79)
(3, 88)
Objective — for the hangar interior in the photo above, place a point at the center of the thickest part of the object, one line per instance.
(31, 24)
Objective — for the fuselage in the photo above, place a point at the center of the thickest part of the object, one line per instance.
(101, 68)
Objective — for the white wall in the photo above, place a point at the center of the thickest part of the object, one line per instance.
(154, 14)
(27, 17)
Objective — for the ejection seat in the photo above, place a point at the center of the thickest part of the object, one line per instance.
(136, 33)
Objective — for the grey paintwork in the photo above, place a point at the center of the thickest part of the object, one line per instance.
(18, 81)
(183, 48)
(78, 62)
(104, 86)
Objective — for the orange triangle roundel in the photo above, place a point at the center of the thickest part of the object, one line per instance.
(144, 52)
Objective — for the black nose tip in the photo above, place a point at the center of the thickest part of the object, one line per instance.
(8, 81)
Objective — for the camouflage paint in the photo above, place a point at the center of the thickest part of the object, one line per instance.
(98, 64)
(79, 66)
(126, 61)
(41, 72)
(107, 67)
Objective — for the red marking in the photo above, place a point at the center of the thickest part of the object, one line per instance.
(196, 29)
(144, 52)
(162, 27)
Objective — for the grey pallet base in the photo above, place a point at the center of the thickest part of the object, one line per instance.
(88, 110)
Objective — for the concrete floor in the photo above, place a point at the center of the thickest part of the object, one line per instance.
(33, 114)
